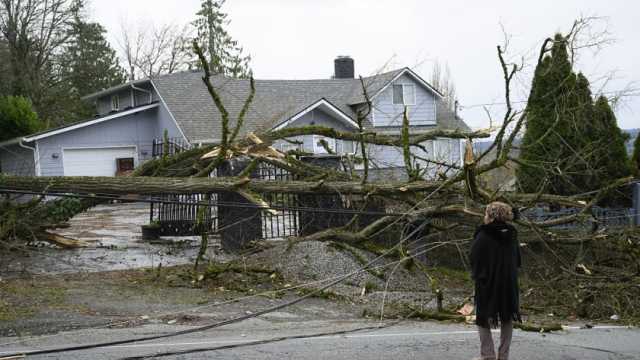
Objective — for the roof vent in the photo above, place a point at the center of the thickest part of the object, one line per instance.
(343, 67)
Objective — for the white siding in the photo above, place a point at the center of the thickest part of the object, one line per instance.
(320, 118)
(387, 114)
(128, 98)
(132, 130)
(16, 160)
(443, 151)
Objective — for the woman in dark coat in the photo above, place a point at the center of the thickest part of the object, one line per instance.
(495, 259)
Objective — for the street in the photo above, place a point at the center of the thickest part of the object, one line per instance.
(405, 340)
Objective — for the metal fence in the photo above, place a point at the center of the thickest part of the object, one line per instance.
(607, 217)
(178, 214)
(238, 221)
(173, 146)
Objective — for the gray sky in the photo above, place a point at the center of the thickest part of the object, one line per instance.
(298, 39)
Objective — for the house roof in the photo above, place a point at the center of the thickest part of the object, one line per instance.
(79, 124)
(115, 88)
(275, 101)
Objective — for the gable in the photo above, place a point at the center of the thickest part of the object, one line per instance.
(421, 108)
(407, 73)
(322, 113)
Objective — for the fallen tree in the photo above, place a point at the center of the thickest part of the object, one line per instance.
(450, 197)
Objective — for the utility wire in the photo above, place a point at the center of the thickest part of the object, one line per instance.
(224, 322)
(415, 253)
(152, 200)
(242, 318)
(262, 342)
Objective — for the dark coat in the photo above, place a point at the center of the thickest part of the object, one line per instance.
(495, 259)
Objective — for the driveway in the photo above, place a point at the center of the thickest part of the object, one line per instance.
(115, 243)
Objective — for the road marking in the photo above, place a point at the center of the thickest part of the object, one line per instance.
(351, 336)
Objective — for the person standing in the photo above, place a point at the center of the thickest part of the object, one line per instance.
(495, 259)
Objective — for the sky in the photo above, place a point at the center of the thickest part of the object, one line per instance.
(298, 39)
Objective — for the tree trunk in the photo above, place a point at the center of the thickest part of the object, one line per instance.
(162, 185)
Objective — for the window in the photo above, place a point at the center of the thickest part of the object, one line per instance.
(344, 147)
(115, 103)
(286, 146)
(318, 148)
(404, 94)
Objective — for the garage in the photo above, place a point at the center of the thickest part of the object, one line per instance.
(99, 161)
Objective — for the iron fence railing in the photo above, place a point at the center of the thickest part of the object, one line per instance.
(609, 217)
(173, 146)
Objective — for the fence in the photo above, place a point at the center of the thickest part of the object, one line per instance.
(178, 214)
(607, 217)
(239, 222)
(636, 202)
(173, 146)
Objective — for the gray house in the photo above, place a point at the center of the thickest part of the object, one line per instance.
(132, 116)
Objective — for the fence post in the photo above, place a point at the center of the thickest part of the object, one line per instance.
(312, 222)
(238, 225)
(636, 203)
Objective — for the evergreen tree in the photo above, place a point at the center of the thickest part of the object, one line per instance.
(571, 144)
(224, 54)
(89, 63)
(550, 123)
(17, 117)
(612, 161)
(86, 65)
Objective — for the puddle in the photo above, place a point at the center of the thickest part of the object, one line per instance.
(115, 243)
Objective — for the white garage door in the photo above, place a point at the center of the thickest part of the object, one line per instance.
(95, 162)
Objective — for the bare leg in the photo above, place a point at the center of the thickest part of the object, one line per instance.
(506, 331)
(487, 351)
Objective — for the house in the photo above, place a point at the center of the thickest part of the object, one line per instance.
(131, 117)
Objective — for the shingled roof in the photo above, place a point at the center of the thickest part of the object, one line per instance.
(275, 101)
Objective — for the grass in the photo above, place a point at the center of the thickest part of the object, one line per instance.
(22, 299)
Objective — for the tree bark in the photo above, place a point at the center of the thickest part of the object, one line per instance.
(163, 185)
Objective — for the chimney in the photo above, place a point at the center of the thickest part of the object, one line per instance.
(343, 68)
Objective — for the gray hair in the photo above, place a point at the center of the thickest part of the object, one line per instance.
(498, 211)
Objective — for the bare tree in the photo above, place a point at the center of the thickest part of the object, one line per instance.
(34, 32)
(149, 50)
(442, 80)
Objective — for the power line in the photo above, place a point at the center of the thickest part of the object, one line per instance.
(524, 101)
(152, 200)
(229, 321)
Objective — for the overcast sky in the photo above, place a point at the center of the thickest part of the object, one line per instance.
(298, 39)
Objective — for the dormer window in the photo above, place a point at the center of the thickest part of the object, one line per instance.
(404, 94)
(115, 103)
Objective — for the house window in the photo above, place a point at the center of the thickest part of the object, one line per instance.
(404, 94)
(344, 147)
(286, 146)
(318, 148)
(115, 103)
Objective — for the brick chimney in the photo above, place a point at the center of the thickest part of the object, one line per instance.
(343, 68)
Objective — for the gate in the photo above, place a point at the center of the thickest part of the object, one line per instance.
(239, 222)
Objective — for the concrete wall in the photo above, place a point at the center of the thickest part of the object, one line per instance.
(16, 160)
(132, 130)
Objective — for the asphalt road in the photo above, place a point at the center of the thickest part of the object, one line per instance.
(406, 340)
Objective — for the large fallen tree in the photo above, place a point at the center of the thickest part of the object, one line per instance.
(450, 196)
